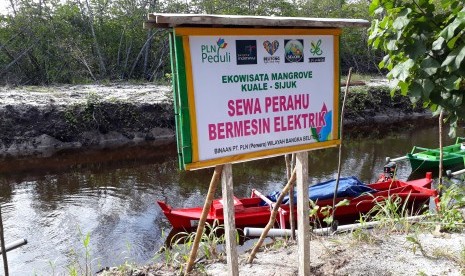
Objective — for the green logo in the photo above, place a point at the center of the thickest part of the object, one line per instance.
(316, 50)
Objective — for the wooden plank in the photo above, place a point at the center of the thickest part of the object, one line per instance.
(207, 20)
(303, 227)
(203, 217)
(229, 222)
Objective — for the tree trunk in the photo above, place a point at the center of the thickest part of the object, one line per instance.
(149, 46)
(118, 59)
(160, 61)
(140, 53)
(103, 69)
(13, 7)
(147, 52)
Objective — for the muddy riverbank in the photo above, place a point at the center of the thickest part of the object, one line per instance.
(44, 120)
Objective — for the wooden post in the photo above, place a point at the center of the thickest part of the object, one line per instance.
(203, 217)
(229, 222)
(2, 241)
(303, 226)
(441, 153)
(341, 128)
(289, 169)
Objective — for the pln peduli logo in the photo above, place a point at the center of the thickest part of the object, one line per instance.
(246, 52)
(316, 51)
(271, 48)
(293, 50)
(215, 53)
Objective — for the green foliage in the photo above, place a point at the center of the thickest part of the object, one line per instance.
(78, 266)
(437, 252)
(325, 211)
(425, 51)
(279, 243)
(352, 50)
(391, 213)
(211, 246)
(449, 214)
(104, 116)
(46, 42)
(360, 234)
(416, 245)
(58, 46)
(366, 101)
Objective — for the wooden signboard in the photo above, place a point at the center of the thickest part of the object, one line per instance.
(255, 88)
(243, 94)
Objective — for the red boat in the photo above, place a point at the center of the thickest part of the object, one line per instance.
(256, 209)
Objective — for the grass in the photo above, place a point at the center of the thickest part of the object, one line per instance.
(211, 248)
(392, 213)
(416, 245)
(437, 253)
(279, 243)
(81, 265)
(82, 262)
(325, 211)
(449, 214)
(360, 235)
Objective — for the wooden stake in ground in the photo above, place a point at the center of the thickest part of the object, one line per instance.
(272, 217)
(206, 208)
(340, 145)
(441, 152)
(229, 220)
(303, 221)
(2, 244)
(289, 168)
(292, 203)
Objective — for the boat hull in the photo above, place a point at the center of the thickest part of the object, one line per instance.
(421, 165)
(252, 211)
(423, 159)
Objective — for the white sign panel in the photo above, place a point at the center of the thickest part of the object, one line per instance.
(256, 93)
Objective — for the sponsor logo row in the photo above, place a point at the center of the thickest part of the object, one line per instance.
(246, 52)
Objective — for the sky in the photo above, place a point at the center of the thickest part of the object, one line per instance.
(3, 6)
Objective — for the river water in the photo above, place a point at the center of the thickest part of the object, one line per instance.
(54, 202)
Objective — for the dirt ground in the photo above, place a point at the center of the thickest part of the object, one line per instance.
(360, 252)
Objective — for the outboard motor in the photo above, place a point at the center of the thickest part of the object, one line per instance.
(389, 171)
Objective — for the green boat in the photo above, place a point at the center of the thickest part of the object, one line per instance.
(423, 159)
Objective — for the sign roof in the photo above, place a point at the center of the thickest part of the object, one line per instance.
(168, 20)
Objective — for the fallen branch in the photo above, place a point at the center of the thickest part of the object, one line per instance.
(5, 69)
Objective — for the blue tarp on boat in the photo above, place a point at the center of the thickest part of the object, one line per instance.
(348, 187)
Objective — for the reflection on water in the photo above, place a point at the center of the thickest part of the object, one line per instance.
(111, 194)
